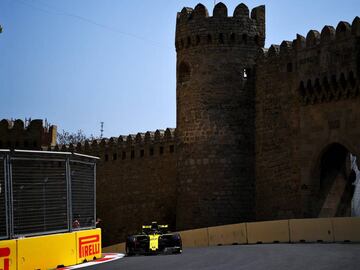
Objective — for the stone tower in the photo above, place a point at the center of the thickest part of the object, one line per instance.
(215, 113)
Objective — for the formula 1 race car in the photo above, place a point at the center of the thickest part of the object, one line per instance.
(153, 239)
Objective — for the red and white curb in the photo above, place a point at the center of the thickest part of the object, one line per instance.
(107, 257)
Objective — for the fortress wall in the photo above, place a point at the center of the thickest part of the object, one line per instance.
(15, 134)
(328, 88)
(307, 98)
(276, 125)
(136, 181)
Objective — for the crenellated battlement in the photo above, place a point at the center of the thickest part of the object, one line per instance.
(328, 37)
(195, 27)
(127, 147)
(30, 135)
(325, 63)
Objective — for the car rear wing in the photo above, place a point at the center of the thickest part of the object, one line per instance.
(161, 228)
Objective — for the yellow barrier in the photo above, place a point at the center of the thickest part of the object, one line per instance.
(118, 248)
(268, 232)
(227, 234)
(308, 230)
(311, 230)
(8, 253)
(195, 238)
(88, 244)
(50, 251)
(46, 252)
(346, 229)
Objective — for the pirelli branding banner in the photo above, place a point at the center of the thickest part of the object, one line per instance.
(88, 245)
(50, 251)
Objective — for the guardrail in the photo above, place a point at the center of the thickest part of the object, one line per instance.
(342, 229)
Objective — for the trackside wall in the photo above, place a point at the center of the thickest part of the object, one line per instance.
(50, 251)
(279, 231)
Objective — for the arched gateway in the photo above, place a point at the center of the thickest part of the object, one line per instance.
(333, 187)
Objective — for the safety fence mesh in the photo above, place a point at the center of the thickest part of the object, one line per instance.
(39, 195)
(48, 192)
(83, 193)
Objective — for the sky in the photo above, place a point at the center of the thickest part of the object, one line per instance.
(77, 63)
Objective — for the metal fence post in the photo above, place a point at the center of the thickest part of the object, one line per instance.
(10, 197)
(69, 195)
(5, 190)
(95, 218)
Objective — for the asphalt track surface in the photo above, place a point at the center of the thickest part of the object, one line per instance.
(254, 257)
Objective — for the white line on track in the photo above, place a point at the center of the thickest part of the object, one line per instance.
(107, 257)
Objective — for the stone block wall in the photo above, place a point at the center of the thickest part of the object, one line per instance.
(277, 179)
(307, 96)
(33, 135)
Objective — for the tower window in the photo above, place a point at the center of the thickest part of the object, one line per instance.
(171, 149)
(114, 156)
(151, 151)
(246, 73)
(132, 154)
(184, 72)
(161, 150)
(142, 153)
(123, 156)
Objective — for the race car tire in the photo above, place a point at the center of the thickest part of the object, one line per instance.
(129, 252)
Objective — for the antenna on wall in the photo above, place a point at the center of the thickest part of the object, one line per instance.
(101, 129)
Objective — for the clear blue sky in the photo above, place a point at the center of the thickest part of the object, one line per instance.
(80, 62)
